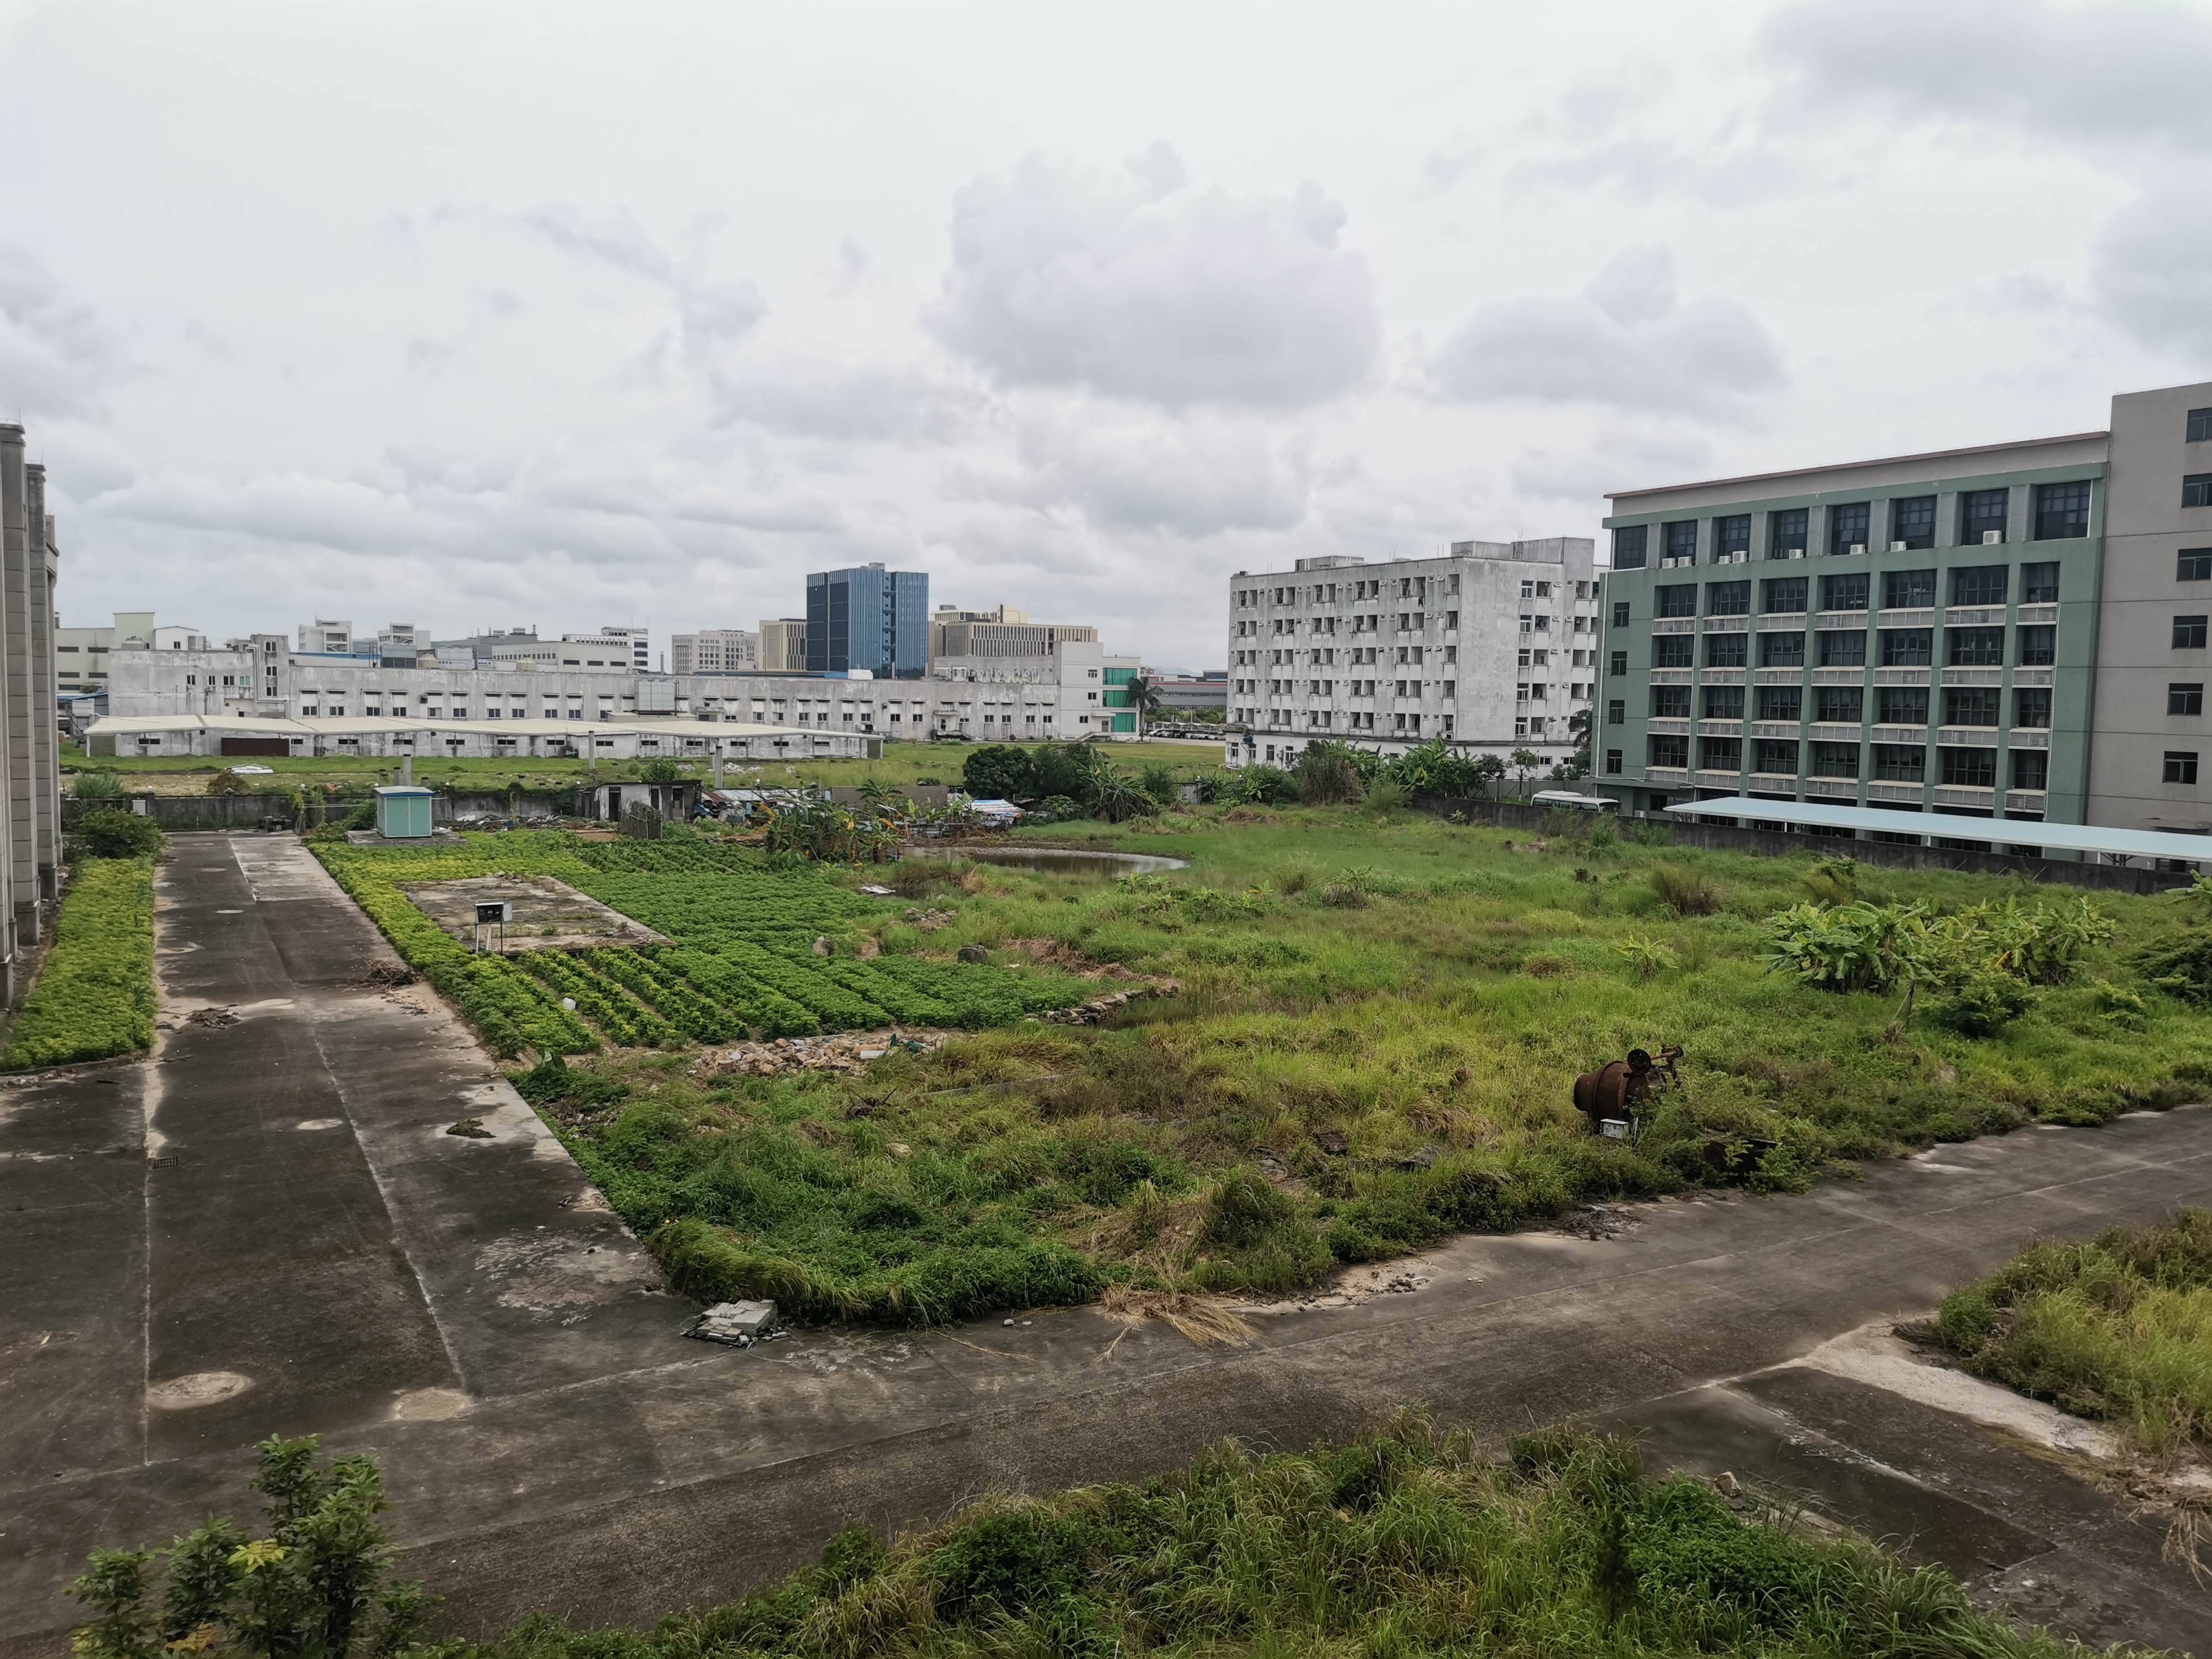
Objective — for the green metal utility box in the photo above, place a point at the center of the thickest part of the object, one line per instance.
(403, 812)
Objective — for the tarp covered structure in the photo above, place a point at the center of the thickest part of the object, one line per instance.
(2050, 837)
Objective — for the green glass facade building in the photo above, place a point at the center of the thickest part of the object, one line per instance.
(2012, 631)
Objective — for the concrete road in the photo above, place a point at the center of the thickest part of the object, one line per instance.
(265, 1228)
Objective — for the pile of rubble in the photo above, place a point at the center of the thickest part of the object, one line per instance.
(1090, 1012)
(930, 920)
(735, 1324)
(847, 1051)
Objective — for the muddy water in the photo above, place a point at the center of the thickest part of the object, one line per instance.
(1058, 860)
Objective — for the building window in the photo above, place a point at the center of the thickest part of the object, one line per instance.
(1785, 533)
(2039, 583)
(1970, 705)
(1682, 540)
(2062, 510)
(1847, 527)
(2181, 766)
(1974, 648)
(1612, 762)
(1616, 663)
(2200, 426)
(1835, 760)
(1980, 583)
(1774, 755)
(1782, 596)
(2189, 633)
(1908, 590)
(1901, 762)
(1843, 648)
(1727, 650)
(1670, 752)
(1781, 702)
(1901, 705)
(1732, 536)
(2031, 708)
(1838, 705)
(2038, 646)
(1912, 522)
(1970, 768)
(1843, 592)
(1679, 600)
(1728, 598)
(2031, 768)
(2193, 564)
(2184, 697)
(1982, 515)
(1628, 546)
(1781, 650)
(2196, 490)
(1720, 754)
(1723, 702)
(1620, 613)
(1616, 712)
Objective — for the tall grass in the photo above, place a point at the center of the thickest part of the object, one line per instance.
(2119, 1328)
(1406, 1542)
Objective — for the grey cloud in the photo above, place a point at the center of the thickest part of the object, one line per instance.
(1626, 345)
(2129, 70)
(1617, 458)
(1139, 286)
(2147, 271)
(715, 315)
(54, 350)
(806, 397)
(1191, 479)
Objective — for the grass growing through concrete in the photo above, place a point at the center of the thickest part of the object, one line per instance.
(1405, 1543)
(2119, 1328)
(94, 995)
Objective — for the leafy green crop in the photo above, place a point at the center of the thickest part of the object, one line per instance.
(743, 958)
(95, 998)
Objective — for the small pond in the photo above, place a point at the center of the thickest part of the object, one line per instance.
(1057, 861)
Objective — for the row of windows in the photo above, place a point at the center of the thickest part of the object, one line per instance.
(1407, 588)
(1890, 762)
(1894, 705)
(2036, 647)
(1901, 590)
(2060, 512)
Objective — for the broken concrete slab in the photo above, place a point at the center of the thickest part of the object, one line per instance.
(739, 1324)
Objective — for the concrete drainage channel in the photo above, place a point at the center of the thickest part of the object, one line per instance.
(297, 1235)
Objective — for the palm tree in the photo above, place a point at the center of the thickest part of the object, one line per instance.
(1144, 696)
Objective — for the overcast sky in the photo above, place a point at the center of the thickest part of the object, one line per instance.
(470, 314)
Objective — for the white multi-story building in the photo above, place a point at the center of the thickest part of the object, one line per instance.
(348, 705)
(715, 651)
(1489, 646)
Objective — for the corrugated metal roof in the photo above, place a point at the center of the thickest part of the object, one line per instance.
(2065, 837)
(285, 726)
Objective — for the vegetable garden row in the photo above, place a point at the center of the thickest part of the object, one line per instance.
(741, 961)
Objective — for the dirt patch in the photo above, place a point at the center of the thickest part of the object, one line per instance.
(848, 1051)
(548, 915)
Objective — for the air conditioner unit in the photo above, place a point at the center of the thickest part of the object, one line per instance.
(1856, 547)
(1992, 538)
(1897, 547)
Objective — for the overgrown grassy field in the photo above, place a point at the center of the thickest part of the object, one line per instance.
(1404, 1544)
(2118, 1328)
(1428, 991)
(94, 995)
(902, 763)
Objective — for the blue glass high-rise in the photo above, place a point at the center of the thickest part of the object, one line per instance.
(868, 618)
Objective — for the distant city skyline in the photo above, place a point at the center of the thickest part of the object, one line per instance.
(653, 333)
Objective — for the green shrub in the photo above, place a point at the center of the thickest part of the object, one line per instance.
(998, 772)
(106, 835)
(95, 996)
(1266, 786)
(1328, 774)
(1686, 892)
(102, 784)
(1985, 1003)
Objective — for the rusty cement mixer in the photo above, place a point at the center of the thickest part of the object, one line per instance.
(1619, 1096)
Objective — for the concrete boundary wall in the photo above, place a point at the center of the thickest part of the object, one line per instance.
(1766, 843)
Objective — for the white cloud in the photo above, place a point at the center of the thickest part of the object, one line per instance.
(713, 315)
(54, 350)
(1626, 343)
(807, 397)
(1140, 286)
(1618, 456)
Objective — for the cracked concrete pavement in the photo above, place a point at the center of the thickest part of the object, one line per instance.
(264, 1228)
